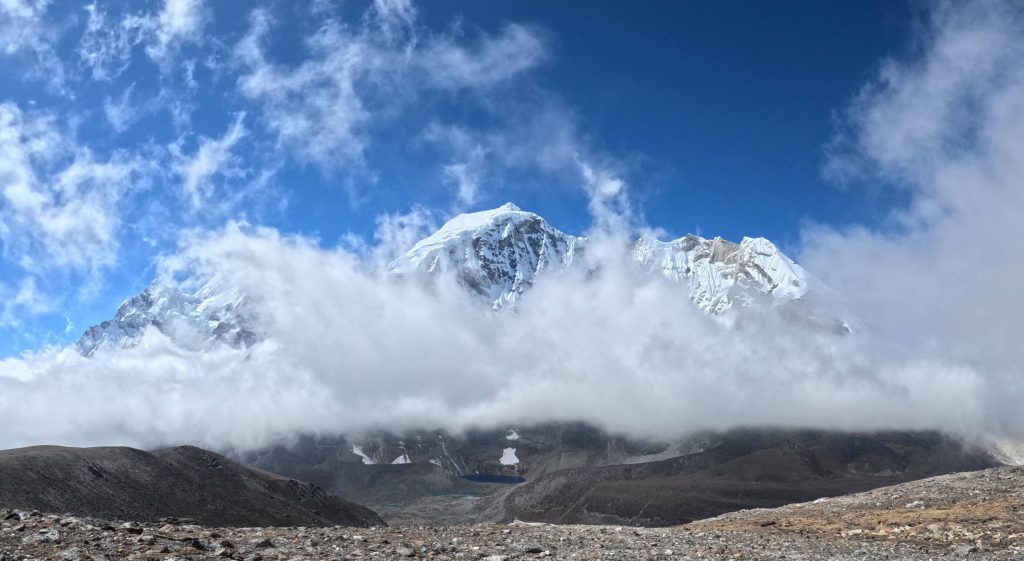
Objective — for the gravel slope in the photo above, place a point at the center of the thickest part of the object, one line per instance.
(963, 516)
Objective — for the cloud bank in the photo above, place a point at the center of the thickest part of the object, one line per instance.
(944, 128)
(347, 349)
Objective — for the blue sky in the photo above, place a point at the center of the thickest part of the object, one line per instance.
(125, 124)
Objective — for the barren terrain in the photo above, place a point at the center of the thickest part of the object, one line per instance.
(976, 515)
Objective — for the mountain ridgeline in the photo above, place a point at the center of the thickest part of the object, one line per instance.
(497, 255)
(565, 472)
(181, 482)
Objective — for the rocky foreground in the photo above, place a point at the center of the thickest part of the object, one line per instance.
(978, 515)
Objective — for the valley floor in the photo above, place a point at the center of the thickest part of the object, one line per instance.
(975, 515)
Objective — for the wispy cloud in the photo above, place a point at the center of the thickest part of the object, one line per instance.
(943, 126)
(24, 31)
(107, 42)
(323, 108)
(177, 22)
(60, 203)
(24, 298)
(542, 134)
(492, 60)
(21, 25)
(212, 158)
(314, 109)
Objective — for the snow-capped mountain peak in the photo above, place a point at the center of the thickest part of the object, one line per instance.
(215, 313)
(500, 253)
(719, 272)
(496, 253)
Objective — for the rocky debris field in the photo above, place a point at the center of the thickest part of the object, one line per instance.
(973, 513)
(977, 515)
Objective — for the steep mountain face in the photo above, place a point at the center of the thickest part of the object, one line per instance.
(720, 273)
(498, 255)
(213, 314)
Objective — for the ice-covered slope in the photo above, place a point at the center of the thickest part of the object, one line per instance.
(500, 253)
(719, 273)
(496, 253)
(214, 313)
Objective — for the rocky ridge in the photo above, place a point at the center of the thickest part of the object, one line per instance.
(183, 481)
(498, 255)
(213, 314)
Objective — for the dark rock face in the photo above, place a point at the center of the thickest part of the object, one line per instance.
(182, 482)
(575, 473)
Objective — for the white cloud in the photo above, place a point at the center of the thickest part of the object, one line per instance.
(541, 134)
(26, 299)
(346, 350)
(59, 204)
(510, 53)
(467, 168)
(22, 26)
(179, 21)
(396, 233)
(467, 175)
(607, 193)
(944, 125)
(356, 75)
(394, 19)
(313, 109)
(106, 45)
(121, 113)
(212, 158)
(24, 31)
(107, 42)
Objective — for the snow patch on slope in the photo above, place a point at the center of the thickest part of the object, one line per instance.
(508, 457)
(358, 451)
(403, 459)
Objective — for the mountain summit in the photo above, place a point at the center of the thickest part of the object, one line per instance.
(497, 254)
(500, 253)
(720, 273)
(213, 314)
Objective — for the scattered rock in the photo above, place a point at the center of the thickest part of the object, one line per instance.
(531, 547)
(43, 536)
(131, 528)
(979, 519)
